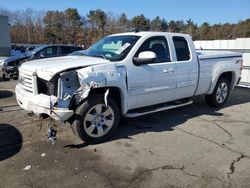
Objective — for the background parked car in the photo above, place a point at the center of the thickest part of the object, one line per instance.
(78, 53)
(10, 65)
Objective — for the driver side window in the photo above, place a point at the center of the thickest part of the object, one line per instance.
(159, 46)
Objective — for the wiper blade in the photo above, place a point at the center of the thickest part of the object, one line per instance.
(99, 55)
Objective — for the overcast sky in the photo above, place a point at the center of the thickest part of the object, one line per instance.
(211, 11)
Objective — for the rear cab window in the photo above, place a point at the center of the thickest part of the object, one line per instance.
(181, 48)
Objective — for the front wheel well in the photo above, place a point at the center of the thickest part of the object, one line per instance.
(114, 93)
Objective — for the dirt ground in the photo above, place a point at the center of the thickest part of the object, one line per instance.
(192, 146)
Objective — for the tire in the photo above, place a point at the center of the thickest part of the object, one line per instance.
(94, 122)
(220, 94)
(15, 77)
(5, 77)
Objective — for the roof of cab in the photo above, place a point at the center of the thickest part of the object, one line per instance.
(149, 33)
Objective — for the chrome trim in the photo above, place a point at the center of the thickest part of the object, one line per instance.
(26, 81)
(136, 114)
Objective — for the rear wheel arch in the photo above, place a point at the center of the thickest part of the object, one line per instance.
(220, 92)
(229, 75)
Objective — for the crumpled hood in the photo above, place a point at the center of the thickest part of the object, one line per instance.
(47, 68)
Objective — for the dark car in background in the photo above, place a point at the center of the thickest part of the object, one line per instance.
(79, 53)
(10, 65)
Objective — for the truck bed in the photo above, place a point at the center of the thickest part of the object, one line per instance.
(207, 54)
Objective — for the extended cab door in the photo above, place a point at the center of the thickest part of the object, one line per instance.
(186, 67)
(152, 82)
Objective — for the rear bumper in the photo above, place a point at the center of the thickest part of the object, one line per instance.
(41, 104)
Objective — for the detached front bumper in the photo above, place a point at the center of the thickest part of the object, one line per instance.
(41, 104)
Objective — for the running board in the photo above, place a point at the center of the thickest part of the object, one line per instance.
(167, 107)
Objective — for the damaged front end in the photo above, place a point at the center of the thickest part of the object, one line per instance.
(59, 96)
(66, 92)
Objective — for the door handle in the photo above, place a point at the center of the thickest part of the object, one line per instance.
(168, 70)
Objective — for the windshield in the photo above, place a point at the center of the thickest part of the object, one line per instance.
(113, 48)
(38, 49)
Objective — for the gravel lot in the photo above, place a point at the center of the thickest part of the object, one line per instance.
(192, 146)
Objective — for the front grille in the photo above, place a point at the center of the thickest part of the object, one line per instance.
(26, 80)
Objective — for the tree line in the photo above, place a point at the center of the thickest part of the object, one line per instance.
(69, 27)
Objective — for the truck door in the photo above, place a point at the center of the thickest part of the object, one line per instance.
(186, 68)
(152, 83)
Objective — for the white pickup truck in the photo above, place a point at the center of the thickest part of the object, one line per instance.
(128, 74)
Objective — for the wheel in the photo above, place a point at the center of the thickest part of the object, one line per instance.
(5, 77)
(15, 77)
(220, 94)
(95, 122)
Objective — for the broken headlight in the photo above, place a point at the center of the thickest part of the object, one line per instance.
(68, 83)
(46, 87)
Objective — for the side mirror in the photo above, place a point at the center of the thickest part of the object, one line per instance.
(41, 55)
(145, 58)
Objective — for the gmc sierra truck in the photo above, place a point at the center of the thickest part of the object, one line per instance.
(128, 74)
